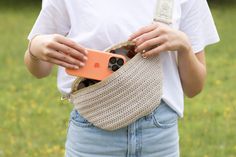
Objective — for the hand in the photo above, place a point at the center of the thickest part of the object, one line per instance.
(157, 37)
(59, 50)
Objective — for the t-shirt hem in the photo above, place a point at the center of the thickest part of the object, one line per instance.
(170, 104)
(208, 42)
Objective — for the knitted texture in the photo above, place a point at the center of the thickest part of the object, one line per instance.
(130, 93)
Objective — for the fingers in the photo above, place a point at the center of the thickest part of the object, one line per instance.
(68, 62)
(63, 64)
(143, 31)
(71, 44)
(68, 50)
(154, 52)
(147, 36)
(65, 52)
(153, 39)
(149, 44)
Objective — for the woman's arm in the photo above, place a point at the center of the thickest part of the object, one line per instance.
(192, 70)
(46, 50)
(36, 67)
(156, 38)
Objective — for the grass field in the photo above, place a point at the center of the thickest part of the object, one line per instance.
(33, 120)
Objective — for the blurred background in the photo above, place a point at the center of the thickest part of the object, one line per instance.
(33, 119)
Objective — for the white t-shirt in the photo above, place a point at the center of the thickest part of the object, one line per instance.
(98, 24)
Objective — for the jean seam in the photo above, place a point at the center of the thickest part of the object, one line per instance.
(160, 125)
(83, 125)
(74, 116)
(139, 138)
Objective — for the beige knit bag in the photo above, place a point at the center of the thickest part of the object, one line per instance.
(133, 91)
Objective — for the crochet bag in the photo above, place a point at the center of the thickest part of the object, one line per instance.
(133, 91)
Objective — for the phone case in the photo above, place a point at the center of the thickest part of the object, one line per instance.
(99, 65)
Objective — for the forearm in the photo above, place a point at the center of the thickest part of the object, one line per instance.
(37, 67)
(192, 72)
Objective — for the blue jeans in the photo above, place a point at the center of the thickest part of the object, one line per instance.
(155, 135)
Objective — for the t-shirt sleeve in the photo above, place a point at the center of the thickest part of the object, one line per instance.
(197, 22)
(53, 19)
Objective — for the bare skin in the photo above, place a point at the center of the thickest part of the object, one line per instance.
(49, 50)
(58, 50)
(157, 37)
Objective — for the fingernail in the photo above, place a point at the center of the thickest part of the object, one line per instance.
(144, 51)
(86, 52)
(82, 64)
(144, 56)
(85, 58)
(76, 67)
(135, 40)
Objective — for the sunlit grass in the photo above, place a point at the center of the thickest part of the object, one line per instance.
(208, 129)
(33, 120)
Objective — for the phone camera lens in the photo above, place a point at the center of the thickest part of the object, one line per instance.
(112, 60)
(120, 62)
(115, 67)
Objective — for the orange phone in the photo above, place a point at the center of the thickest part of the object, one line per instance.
(99, 65)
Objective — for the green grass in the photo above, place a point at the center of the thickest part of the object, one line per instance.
(33, 120)
(208, 129)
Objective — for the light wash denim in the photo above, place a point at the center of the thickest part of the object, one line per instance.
(155, 135)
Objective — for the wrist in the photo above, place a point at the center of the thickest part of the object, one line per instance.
(185, 49)
(31, 54)
(185, 45)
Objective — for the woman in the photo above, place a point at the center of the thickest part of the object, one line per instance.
(68, 27)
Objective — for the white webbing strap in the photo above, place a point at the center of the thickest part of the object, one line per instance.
(164, 11)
